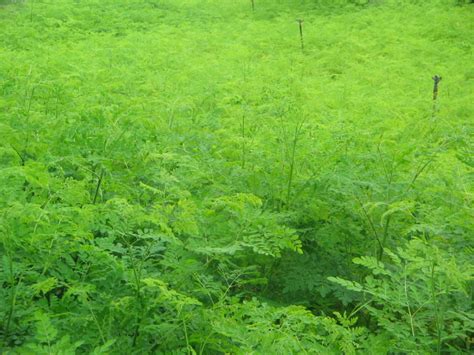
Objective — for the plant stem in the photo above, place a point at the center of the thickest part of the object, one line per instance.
(384, 237)
(27, 110)
(137, 274)
(412, 326)
(19, 154)
(372, 226)
(99, 182)
(96, 321)
(188, 346)
(298, 128)
(243, 141)
(11, 311)
(435, 300)
(31, 11)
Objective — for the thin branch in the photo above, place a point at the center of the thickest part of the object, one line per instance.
(99, 182)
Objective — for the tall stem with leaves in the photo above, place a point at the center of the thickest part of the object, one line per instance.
(137, 265)
(14, 290)
(291, 171)
(436, 307)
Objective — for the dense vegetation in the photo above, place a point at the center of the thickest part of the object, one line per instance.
(194, 176)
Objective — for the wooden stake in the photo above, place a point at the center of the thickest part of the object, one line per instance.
(436, 79)
(300, 23)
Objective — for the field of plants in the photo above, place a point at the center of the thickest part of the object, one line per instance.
(236, 177)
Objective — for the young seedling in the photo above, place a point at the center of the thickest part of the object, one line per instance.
(253, 5)
(300, 24)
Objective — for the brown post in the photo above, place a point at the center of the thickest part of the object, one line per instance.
(436, 79)
(300, 23)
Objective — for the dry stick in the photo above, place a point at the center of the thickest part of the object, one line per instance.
(300, 23)
(436, 80)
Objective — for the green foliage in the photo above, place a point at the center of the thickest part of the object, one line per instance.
(421, 297)
(180, 177)
(252, 327)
